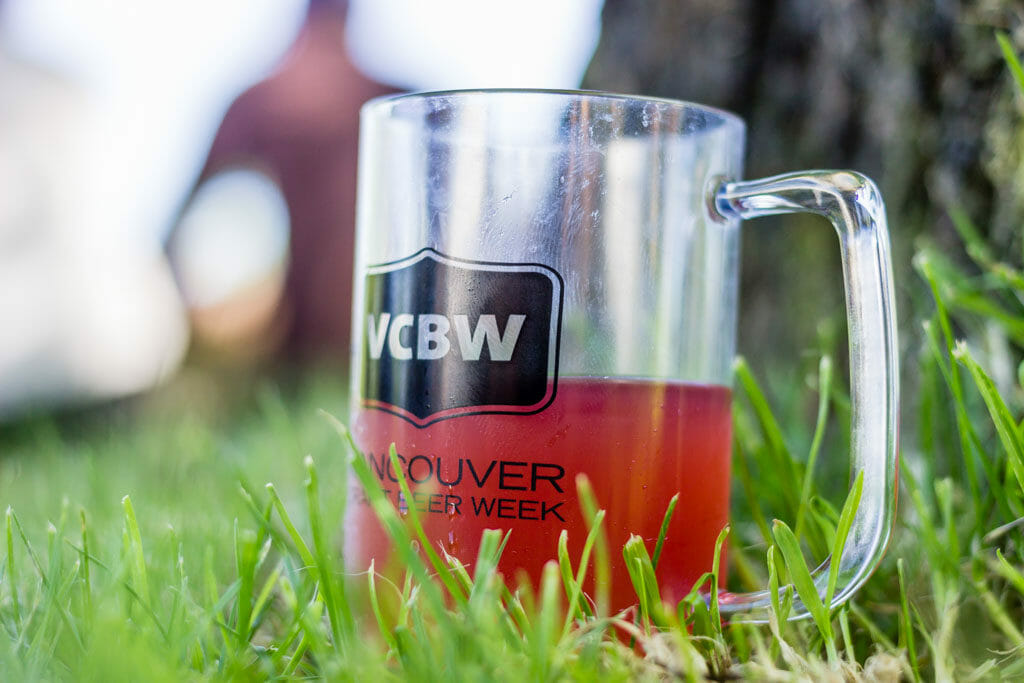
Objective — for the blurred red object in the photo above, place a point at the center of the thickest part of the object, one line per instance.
(300, 128)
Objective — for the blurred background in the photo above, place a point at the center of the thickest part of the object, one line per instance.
(177, 180)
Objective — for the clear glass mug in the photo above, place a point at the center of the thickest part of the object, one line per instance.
(545, 285)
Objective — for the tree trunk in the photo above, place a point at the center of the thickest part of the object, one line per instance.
(915, 94)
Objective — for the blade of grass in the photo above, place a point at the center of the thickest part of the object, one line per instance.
(1010, 57)
(311, 617)
(85, 572)
(266, 592)
(300, 545)
(1011, 574)
(575, 596)
(952, 375)
(906, 627)
(297, 657)
(578, 607)
(602, 556)
(517, 612)
(12, 574)
(49, 590)
(180, 592)
(663, 532)
(261, 517)
(693, 610)
(804, 584)
(844, 629)
(332, 590)
(997, 611)
(777, 619)
(544, 633)
(944, 493)
(593, 536)
(215, 608)
(783, 461)
(716, 565)
(28, 546)
(641, 572)
(245, 564)
(140, 577)
(385, 632)
(741, 469)
(1006, 426)
(492, 544)
(460, 573)
(824, 391)
(402, 543)
(842, 532)
(412, 515)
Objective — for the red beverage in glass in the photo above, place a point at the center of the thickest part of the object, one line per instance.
(639, 441)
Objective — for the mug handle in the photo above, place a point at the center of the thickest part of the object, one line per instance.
(852, 203)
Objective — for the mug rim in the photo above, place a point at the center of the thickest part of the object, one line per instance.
(727, 117)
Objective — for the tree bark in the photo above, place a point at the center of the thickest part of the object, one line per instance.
(915, 94)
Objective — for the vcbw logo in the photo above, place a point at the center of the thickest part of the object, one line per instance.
(432, 340)
(443, 337)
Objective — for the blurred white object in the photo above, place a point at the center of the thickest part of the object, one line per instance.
(229, 254)
(450, 44)
(92, 173)
(159, 76)
(232, 233)
(86, 310)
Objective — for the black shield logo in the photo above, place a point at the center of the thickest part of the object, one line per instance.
(445, 337)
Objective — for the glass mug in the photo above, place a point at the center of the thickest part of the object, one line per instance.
(546, 286)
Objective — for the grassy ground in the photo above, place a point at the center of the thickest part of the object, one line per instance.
(141, 543)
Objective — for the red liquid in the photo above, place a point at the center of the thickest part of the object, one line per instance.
(639, 442)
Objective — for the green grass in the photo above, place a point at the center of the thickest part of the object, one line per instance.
(142, 543)
(165, 560)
